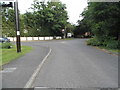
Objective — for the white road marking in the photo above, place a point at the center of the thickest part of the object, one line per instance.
(41, 87)
(6, 70)
(32, 78)
(63, 42)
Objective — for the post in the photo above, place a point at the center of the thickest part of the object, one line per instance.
(63, 31)
(65, 34)
(17, 24)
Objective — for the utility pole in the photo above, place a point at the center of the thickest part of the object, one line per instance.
(17, 24)
(18, 43)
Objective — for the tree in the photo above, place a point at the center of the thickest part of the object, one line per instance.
(70, 28)
(46, 19)
(82, 28)
(105, 19)
(8, 22)
(102, 19)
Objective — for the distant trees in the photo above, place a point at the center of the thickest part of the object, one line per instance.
(8, 22)
(70, 28)
(102, 19)
(46, 19)
(82, 28)
(105, 19)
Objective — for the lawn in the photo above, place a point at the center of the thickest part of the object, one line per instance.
(11, 54)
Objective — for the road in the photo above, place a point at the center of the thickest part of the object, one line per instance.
(71, 64)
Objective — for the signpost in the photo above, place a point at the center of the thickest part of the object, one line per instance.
(17, 24)
(7, 5)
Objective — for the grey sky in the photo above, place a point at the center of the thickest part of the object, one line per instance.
(74, 8)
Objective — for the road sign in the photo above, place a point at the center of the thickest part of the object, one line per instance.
(7, 5)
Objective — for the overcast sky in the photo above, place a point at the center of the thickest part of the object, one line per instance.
(74, 8)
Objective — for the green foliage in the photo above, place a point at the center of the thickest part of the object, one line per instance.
(94, 42)
(8, 23)
(82, 28)
(102, 20)
(47, 19)
(105, 19)
(112, 44)
(108, 43)
(6, 45)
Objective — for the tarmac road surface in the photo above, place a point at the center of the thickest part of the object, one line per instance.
(71, 64)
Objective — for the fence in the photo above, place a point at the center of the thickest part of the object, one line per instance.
(33, 38)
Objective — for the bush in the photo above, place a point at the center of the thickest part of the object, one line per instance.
(94, 42)
(6, 45)
(113, 44)
(110, 43)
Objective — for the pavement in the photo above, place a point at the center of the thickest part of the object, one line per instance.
(71, 64)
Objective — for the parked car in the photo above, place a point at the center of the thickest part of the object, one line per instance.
(4, 39)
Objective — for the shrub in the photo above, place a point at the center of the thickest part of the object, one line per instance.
(113, 44)
(6, 45)
(108, 42)
(94, 42)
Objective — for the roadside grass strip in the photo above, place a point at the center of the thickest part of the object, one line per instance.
(11, 54)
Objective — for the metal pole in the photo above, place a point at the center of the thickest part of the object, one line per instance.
(18, 43)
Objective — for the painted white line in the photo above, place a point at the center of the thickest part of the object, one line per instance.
(63, 42)
(40, 87)
(7, 70)
(32, 78)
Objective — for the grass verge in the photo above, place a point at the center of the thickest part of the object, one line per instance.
(110, 50)
(11, 54)
(67, 39)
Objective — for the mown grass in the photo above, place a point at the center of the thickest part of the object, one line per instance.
(8, 55)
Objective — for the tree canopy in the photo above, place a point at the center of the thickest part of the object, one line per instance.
(47, 19)
(102, 19)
